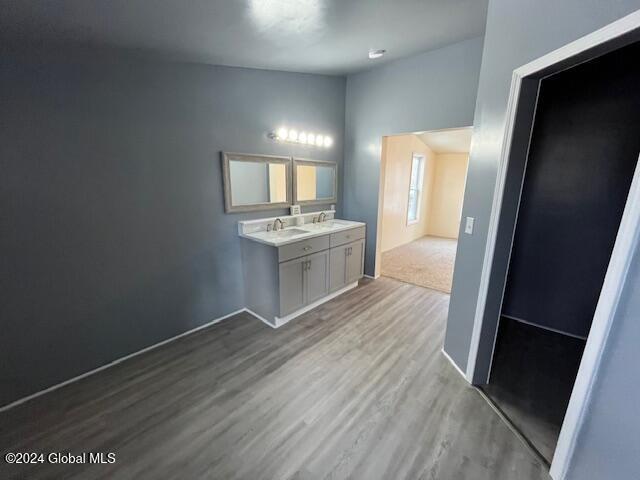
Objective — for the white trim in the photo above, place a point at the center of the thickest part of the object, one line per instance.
(117, 361)
(446, 355)
(492, 233)
(262, 319)
(543, 327)
(374, 277)
(620, 27)
(279, 321)
(422, 159)
(620, 258)
(513, 234)
(607, 33)
(614, 282)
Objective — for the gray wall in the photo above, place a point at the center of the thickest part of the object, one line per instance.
(607, 445)
(114, 235)
(426, 92)
(517, 32)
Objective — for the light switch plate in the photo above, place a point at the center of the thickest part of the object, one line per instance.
(468, 227)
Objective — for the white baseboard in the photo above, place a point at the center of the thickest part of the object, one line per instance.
(117, 361)
(262, 319)
(372, 277)
(311, 306)
(446, 355)
(279, 322)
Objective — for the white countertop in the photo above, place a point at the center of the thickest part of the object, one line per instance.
(295, 234)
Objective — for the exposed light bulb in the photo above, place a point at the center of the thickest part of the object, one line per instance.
(376, 53)
(282, 133)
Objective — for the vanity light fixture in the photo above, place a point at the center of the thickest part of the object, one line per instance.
(284, 134)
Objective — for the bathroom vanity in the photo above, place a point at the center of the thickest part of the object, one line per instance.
(296, 268)
(292, 263)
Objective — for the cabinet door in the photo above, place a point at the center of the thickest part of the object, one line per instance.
(292, 285)
(317, 276)
(338, 268)
(355, 261)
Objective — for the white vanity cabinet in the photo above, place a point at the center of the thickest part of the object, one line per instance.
(284, 281)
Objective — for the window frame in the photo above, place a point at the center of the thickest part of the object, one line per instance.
(419, 187)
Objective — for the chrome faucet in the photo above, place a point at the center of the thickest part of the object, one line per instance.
(322, 217)
(277, 222)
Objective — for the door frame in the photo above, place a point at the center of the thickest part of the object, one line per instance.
(381, 186)
(519, 122)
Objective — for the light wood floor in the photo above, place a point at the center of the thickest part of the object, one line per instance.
(357, 388)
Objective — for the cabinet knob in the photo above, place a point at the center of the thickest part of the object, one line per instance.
(306, 248)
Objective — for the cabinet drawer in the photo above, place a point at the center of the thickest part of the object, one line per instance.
(305, 247)
(347, 236)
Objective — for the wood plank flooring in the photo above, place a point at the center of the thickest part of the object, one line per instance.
(357, 388)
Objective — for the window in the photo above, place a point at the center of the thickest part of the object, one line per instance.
(415, 189)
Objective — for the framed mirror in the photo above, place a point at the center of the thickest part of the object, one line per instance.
(314, 181)
(255, 182)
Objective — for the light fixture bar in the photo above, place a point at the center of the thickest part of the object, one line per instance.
(311, 139)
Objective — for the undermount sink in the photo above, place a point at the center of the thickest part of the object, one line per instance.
(327, 224)
(290, 232)
(258, 229)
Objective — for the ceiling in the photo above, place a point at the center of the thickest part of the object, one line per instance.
(315, 36)
(455, 140)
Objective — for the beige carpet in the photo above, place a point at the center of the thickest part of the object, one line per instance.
(427, 262)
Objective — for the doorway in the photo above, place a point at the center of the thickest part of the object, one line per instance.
(422, 182)
(560, 239)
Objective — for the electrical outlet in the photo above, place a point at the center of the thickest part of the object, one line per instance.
(468, 227)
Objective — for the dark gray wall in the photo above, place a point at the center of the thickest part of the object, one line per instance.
(517, 32)
(114, 235)
(583, 152)
(426, 92)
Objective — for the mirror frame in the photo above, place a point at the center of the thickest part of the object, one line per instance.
(257, 158)
(319, 163)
